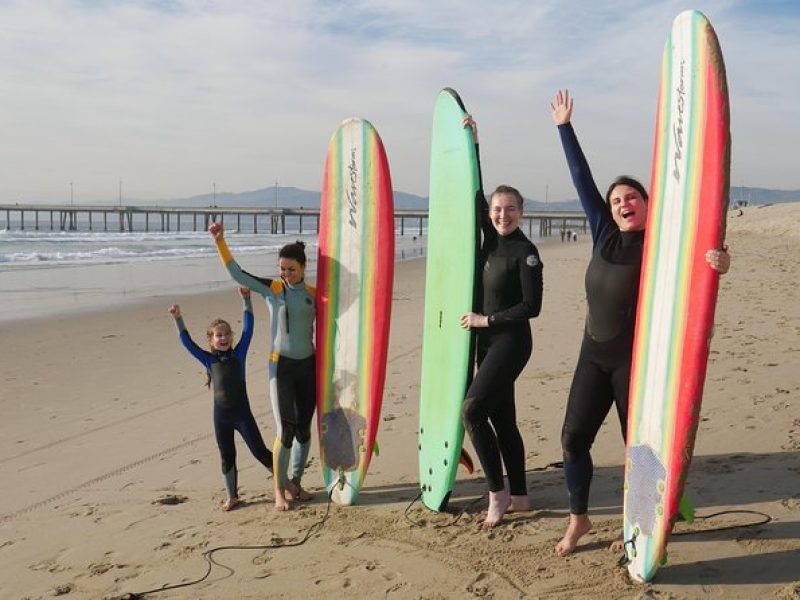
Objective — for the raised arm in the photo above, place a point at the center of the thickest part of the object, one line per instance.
(243, 278)
(480, 197)
(592, 201)
(248, 324)
(187, 341)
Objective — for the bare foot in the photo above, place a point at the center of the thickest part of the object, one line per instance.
(498, 504)
(229, 504)
(519, 504)
(578, 526)
(281, 503)
(618, 545)
(296, 492)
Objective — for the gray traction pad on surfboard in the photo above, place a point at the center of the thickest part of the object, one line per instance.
(349, 428)
(645, 488)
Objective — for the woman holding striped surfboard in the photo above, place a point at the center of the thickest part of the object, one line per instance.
(602, 374)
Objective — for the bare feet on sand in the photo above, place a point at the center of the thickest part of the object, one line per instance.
(296, 492)
(498, 505)
(618, 545)
(519, 504)
(578, 526)
(229, 504)
(281, 503)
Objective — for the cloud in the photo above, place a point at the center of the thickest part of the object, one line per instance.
(174, 96)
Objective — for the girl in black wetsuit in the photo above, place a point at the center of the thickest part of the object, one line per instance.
(225, 365)
(510, 294)
(603, 371)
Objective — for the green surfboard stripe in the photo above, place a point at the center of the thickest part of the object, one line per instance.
(447, 349)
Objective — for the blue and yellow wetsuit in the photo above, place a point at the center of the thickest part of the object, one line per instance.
(292, 383)
(231, 406)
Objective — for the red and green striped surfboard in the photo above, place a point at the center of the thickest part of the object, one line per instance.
(678, 291)
(354, 295)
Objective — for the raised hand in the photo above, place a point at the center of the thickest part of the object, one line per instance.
(561, 107)
(217, 230)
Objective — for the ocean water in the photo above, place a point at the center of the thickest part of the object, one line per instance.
(46, 273)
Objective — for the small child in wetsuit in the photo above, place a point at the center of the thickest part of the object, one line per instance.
(225, 367)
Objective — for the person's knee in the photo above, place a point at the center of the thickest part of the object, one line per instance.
(473, 413)
(228, 461)
(574, 444)
(303, 433)
(288, 432)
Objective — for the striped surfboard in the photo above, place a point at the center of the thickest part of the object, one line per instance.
(354, 295)
(678, 291)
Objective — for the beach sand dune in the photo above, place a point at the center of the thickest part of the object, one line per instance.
(111, 475)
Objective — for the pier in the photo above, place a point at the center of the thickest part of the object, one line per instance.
(70, 217)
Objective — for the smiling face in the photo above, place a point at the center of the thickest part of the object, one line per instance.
(505, 212)
(628, 208)
(221, 338)
(291, 270)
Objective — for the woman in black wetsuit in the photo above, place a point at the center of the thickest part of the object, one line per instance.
(510, 295)
(603, 371)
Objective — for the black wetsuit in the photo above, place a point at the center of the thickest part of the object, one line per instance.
(602, 374)
(231, 405)
(510, 295)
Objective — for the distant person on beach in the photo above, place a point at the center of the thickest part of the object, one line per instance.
(292, 383)
(225, 369)
(603, 371)
(510, 287)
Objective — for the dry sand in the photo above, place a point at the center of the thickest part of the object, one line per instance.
(104, 417)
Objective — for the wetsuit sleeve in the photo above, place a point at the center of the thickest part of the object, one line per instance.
(248, 324)
(480, 203)
(188, 343)
(237, 274)
(593, 204)
(531, 283)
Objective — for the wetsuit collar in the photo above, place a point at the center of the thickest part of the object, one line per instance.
(631, 238)
(293, 287)
(514, 235)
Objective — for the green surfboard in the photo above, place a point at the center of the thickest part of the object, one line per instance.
(447, 349)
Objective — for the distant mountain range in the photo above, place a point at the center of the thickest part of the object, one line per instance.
(292, 197)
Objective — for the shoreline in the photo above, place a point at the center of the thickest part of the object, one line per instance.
(35, 292)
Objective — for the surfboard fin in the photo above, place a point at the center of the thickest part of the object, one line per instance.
(376, 450)
(466, 461)
(686, 509)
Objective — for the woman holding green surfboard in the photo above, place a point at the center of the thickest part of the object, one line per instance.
(510, 294)
(602, 375)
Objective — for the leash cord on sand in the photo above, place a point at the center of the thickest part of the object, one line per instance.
(765, 518)
(208, 555)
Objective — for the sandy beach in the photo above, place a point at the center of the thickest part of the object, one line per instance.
(111, 481)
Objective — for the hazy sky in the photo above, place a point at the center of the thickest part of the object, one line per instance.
(174, 96)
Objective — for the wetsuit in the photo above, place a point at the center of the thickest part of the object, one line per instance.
(231, 406)
(603, 371)
(292, 378)
(510, 294)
